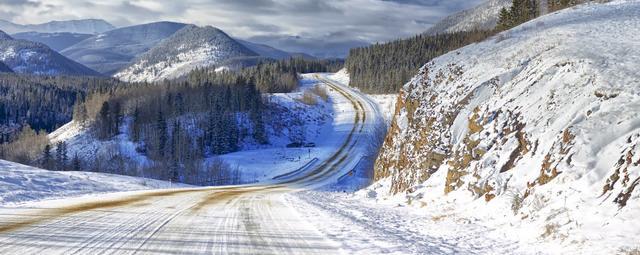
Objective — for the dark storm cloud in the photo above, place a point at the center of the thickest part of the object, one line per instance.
(320, 27)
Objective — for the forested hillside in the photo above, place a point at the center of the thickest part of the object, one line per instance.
(269, 76)
(42, 102)
(171, 127)
(384, 68)
(32, 106)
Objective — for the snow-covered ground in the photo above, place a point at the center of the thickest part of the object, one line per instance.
(20, 184)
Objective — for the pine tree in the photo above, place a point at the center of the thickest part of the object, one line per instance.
(504, 21)
(47, 158)
(104, 121)
(77, 164)
(61, 156)
(161, 124)
(175, 141)
(136, 125)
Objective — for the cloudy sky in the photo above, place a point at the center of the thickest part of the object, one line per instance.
(319, 27)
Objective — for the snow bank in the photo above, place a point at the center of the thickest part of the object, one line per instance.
(20, 184)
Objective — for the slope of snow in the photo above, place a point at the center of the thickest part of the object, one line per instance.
(533, 133)
(189, 48)
(21, 184)
(484, 16)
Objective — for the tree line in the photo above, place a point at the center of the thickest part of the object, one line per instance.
(269, 76)
(522, 11)
(386, 67)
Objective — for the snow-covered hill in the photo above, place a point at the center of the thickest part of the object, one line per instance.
(186, 50)
(84, 26)
(36, 58)
(20, 184)
(484, 16)
(111, 51)
(534, 132)
(55, 41)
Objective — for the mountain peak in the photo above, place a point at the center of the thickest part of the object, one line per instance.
(189, 48)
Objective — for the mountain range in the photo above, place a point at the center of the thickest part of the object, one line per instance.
(108, 50)
(187, 49)
(111, 51)
(83, 26)
(57, 41)
(36, 58)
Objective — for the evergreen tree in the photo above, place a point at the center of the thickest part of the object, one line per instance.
(136, 125)
(47, 158)
(61, 156)
(161, 125)
(77, 164)
(104, 121)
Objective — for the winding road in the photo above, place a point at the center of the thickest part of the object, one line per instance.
(249, 219)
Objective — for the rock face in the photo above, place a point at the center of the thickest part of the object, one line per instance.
(547, 108)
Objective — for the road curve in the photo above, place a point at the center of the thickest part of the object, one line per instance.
(252, 219)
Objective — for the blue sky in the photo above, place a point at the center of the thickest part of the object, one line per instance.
(318, 27)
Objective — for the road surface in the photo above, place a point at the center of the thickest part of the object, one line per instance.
(220, 220)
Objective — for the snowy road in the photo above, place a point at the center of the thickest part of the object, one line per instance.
(223, 220)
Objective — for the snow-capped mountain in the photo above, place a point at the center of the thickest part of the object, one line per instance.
(113, 50)
(4, 68)
(186, 50)
(83, 26)
(56, 41)
(536, 128)
(36, 58)
(484, 16)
